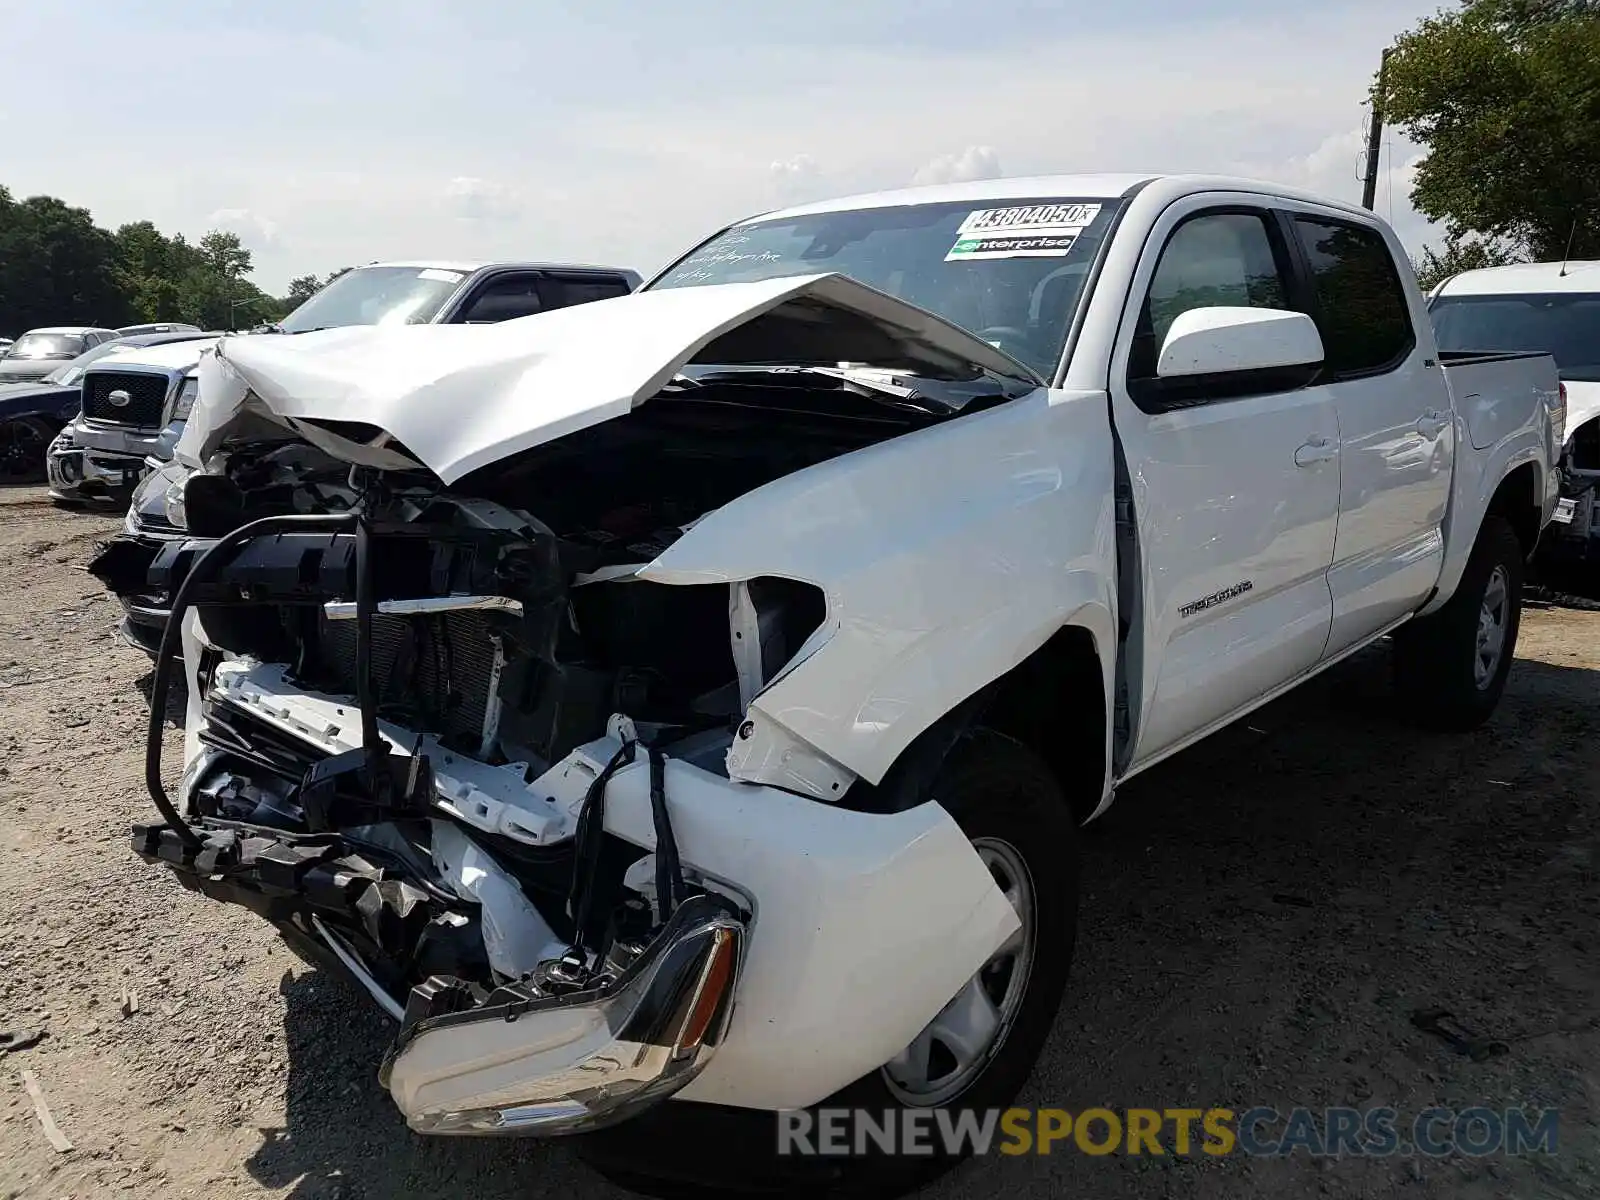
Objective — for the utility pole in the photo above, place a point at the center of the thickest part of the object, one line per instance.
(1369, 183)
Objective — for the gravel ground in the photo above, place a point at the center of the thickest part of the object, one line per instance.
(1261, 916)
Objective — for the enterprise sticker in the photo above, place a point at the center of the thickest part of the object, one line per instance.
(1027, 231)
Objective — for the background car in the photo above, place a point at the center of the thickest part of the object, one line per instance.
(157, 327)
(388, 293)
(39, 351)
(5, 344)
(33, 413)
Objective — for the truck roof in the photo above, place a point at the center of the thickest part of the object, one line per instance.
(1065, 186)
(467, 266)
(1524, 278)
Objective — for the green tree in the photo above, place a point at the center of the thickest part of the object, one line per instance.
(1505, 96)
(1458, 254)
(57, 267)
(216, 294)
(151, 268)
(224, 254)
(301, 290)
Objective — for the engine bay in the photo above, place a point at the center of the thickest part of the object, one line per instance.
(400, 678)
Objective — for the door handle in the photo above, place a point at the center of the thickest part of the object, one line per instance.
(1317, 450)
(1432, 423)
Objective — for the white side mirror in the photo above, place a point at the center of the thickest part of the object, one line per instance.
(1226, 341)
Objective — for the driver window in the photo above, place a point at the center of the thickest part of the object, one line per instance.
(505, 299)
(1213, 260)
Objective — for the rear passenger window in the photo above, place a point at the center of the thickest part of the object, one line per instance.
(562, 292)
(1213, 260)
(1363, 318)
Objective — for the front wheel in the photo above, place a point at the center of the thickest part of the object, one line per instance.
(979, 1051)
(976, 1054)
(1451, 666)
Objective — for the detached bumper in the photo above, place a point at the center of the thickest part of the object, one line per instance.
(520, 1063)
(579, 1062)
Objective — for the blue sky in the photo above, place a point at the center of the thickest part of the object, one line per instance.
(334, 132)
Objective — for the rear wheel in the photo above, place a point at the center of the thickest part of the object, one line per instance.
(1451, 666)
(24, 442)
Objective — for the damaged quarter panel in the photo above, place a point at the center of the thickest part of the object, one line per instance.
(947, 557)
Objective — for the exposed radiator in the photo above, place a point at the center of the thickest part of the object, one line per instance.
(436, 670)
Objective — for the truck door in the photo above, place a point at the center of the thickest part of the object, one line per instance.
(1235, 487)
(1395, 424)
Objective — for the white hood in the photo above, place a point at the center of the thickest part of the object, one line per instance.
(459, 397)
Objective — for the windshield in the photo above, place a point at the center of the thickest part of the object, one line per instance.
(1012, 275)
(69, 372)
(46, 345)
(1567, 327)
(376, 296)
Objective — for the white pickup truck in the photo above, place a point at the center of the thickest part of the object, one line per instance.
(682, 706)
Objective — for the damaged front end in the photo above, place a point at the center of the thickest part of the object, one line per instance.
(479, 761)
(397, 853)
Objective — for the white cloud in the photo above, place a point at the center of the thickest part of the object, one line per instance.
(800, 168)
(975, 162)
(469, 198)
(1333, 168)
(255, 232)
(796, 180)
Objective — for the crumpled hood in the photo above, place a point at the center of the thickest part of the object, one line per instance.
(454, 398)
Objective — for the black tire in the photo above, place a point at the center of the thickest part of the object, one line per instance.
(997, 790)
(24, 441)
(1437, 657)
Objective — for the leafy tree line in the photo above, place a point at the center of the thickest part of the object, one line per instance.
(1505, 96)
(57, 267)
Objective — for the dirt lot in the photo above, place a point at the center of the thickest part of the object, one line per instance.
(1262, 915)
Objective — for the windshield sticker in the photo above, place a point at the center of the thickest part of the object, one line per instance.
(1030, 219)
(1029, 231)
(438, 276)
(1048, 246)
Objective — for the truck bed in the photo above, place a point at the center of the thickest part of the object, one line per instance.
(1494, 393)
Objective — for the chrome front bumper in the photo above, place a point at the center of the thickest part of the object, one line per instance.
(580, 1061)
(87, 464)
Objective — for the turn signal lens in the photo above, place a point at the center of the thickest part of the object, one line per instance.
(714, 983)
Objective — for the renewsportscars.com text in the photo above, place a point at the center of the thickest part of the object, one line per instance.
(1257, 1132)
